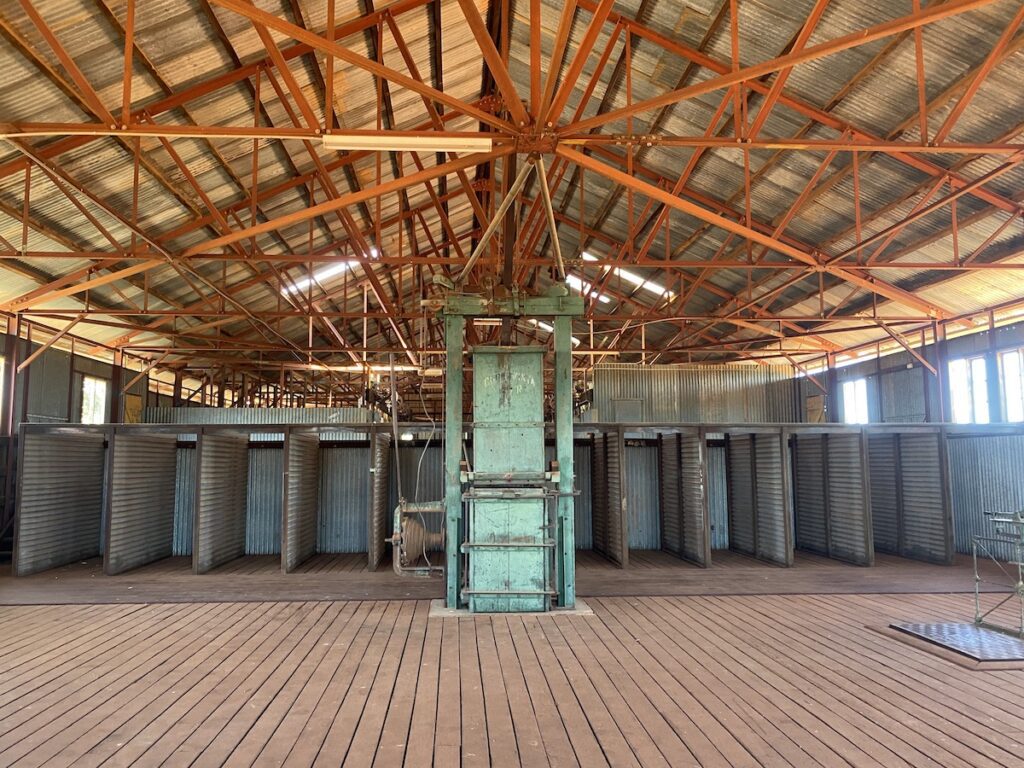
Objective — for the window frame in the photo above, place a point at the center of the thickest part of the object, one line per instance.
(970, 362)
(85, 397)
(1003, 390)
(859, 387)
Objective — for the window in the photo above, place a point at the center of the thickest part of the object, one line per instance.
(968, 390)
(94, 400)
(855, 401)
(1011, 365)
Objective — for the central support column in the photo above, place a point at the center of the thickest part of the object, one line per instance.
(565, 508)
(454, 325)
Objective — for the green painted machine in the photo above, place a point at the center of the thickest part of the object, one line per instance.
(509, 539)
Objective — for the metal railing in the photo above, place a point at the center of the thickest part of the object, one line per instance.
(1009, 534)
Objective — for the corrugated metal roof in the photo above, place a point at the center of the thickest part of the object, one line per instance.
(182, 43)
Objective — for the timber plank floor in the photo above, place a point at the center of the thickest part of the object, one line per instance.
(744, 680)
(347, 577)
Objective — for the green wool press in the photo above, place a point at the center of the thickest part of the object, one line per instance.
(509, 538)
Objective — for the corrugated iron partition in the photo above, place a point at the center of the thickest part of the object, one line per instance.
(140, 516)
(60, 499)
(264, 500)
(685, 525)
(696, 527)
(910, 493)
(618, 514)
(832, 503)
(808, 456)
(927, 523)
(773, 518)
(884, 470)
(609, 531)
(760, 523)
(219, 528)
(671, 508)
(742, 520)
(718, 494)
(986, 477)
(599, 496)
(302, 484)
(584, 499)
(380, 510)
(184, 500)
(640, 475)
(849, 499)
(344, 497)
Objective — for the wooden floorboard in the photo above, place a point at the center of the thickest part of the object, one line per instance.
(347, 577)
(745, 680)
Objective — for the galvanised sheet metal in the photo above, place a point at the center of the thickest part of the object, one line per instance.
(344, 498)
(219, 528)
(641, 478)
(60, 499)
(140, 518)
(618, 513)
(583, 501)
(808, 457)
(848, 501)
(986, 477)
(742, 507)
(599, 486)
(772, 518)
(927, 527)
(884, 470)
(695, 527)
(380, 510)
(696, 393)
(184, 500)
(264, 501)
(671, 508)
(902, 395)
(718, 495)
(257, 415)
(301, 500)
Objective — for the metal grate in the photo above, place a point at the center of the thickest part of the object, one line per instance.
(978, 643)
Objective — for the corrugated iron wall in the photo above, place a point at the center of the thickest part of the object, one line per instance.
(831, 509)
(774, 537)
(695, 531)
(60, 500)
(184, 501)
(850, 536)
(302, 453)
(718, 496)
(258, 415)
(926, 526)
(583, 501)
(641, 477)
(883, 458)
(696, 393)
(811, 523)
(264, 500)
(140, 527)
(910, 493)
(742, 534)
(344, 498)
(987, 473)
(219, 533)
(670, 504)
